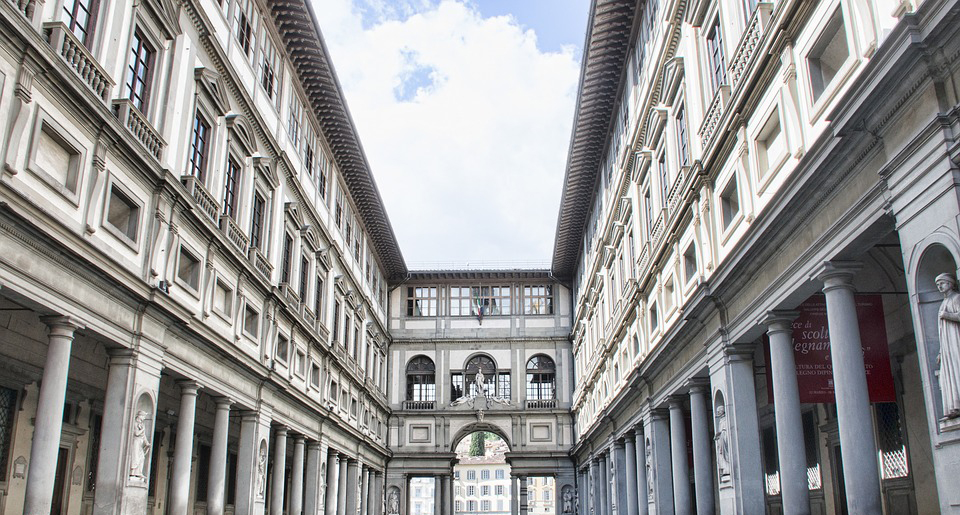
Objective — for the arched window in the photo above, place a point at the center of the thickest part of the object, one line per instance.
(541, 379)
(486, 366)
(421, 380)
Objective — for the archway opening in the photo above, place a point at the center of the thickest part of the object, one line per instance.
(481, 477)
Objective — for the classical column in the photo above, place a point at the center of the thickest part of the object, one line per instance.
(364, 489)
(296, 477)
(42, 470)
(216, 480)
(447, 495)
(643, 506)
(604, 481)
(278, 471)
(514, 494)
(378, 493)
(619, 456)
(659, 479)
(312, 479)
(342, 489)
(353, 485)
(183, 450)
(437, 494)
(630, 464)
(524, 505)
(702, 443)
(678, 453)
(858, 450)
(786, 404)
(333, 483)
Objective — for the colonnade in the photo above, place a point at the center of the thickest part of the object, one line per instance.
(652, 454)
(129, 415)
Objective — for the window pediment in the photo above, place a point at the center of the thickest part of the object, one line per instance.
(211, 85)
(672, 79)
(241, 133)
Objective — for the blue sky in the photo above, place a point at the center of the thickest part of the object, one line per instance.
(464, 109)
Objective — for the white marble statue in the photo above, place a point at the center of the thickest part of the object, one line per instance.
(723, 444)
(949, 359)
(479, 381)
(262, 471)
(649, 464)
(567, 500)
(393, 503)
(139, 447)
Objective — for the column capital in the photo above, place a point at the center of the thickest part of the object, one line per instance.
(779, 321)
(223, 402)
(698, 385)
(121, 356)
(281, 431)
(675, 402)
(618, 444)
(638, 431)
(299, 438)
(314, 445)
(837, 274)
(659, 414)
(629, 436)
(188, 387)
(61, 325)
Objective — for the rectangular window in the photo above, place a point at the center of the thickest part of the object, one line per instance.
(421, 301)
(336, 321)
(499, 474)
(123, 214)
(456, 386)
(246, 25)
(322, 176)
(293, 127)
(223, 298)
(690, 262)
(729, 203)
(538, 300)
(664, 176)
(256, 220)
(251, 321)
(461, 301)
(485, 474)
(79, 17)
(304, 274)
(231, 184)
(503, 385)
(485, 504)
(681, 122)
(140, 71)
(718, 70)
(188, 268)
(490, 300)
(301, 363)
(771, 146)
(283, 348)
(269, 67)
(198, 146)
(285, 264)
(828, 55)
(315, 375)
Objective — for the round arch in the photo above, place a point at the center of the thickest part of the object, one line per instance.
(469, 429)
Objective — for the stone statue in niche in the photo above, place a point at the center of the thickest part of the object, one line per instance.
(567, 506)
(949, 358)
(139, 447)
(393, 502)
(479, 384)
(649, 465)
(262, 470)
(723, 444)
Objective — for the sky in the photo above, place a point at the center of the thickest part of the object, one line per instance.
(464, 109)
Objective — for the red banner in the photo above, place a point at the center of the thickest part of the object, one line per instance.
(811, 350)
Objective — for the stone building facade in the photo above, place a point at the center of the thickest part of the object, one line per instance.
(203, 308)
(194, 264)
(759, 199)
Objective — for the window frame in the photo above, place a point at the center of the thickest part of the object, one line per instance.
(120, 234)
(131, 70)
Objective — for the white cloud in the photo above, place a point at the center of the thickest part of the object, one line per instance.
(466, 124)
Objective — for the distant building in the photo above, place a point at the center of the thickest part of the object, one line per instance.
(482, 483)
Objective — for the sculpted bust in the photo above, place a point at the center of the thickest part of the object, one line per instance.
(948, 323)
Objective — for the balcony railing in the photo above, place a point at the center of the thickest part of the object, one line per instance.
(418, 405)
(287, 291)
(676, 191)
(65, 43)
(541, 403)
(137, 124)
(748, 43)
(26, 7)
(203, 197)
(233, 233)
(260, 263)
(714, 113)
